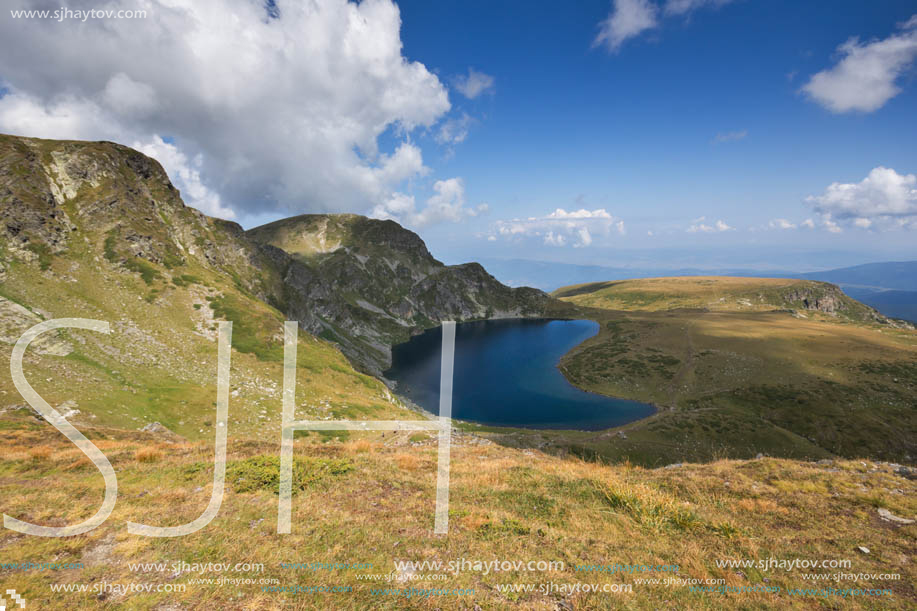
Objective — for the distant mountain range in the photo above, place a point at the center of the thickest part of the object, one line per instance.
(897, 275)
(890, 287)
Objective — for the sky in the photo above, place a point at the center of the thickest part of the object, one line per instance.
(757, 133)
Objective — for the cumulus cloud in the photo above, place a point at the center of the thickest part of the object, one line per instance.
(446, 204)
(270, 110)
(699, 225)
(866, 76)
(474, 84)
(884, 199)
(781, 224)
(628, 18)
(186, 173)
(731, 136)
(561, 228)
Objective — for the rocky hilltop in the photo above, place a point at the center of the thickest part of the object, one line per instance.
(368, 284)
(60, 198)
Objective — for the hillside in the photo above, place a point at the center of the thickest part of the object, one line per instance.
(363, 505)
(96, 230)
(741, 366)
(368, 284)
(721, 293)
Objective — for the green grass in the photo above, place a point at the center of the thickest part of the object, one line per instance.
(263, 473)
(251, 330)
(44, 254)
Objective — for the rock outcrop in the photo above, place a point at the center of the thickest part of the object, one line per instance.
(361, 283)
(369, 284)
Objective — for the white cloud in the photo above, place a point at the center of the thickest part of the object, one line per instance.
(454, 130)
(128, 97)
(808, 224)
(630, 18)
(865, 78)
(882, 200)
(582, 213)
(781, 224)
(731, 136)
(561, 228)
(279, 114)
(474, 84)
(446, 204)
(627, 19)
(831, 225)
(699, 226)
(186, 176)
(681, 7)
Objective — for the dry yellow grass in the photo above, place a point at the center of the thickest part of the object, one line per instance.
(504, 505)
(148, 454)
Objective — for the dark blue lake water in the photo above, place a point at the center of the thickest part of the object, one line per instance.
(506, 375)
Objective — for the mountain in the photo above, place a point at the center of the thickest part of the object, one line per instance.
(897, 304)
(899, 275)
(741, 366)
(887, 287)
(96, 230)
(368, 284)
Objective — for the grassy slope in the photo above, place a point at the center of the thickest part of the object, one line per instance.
(159, 361)
(719, 293)
(741, 379)
(376, 505)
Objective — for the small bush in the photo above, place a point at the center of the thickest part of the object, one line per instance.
(147, 272)
(644, 507)
(263, 473)
(44, 255)
(147, 454)
(407, 462)
(505, 527)
(40, 453)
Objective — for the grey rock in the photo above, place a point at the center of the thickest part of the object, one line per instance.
(888, 516)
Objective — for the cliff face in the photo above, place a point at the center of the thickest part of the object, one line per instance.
(363, 284)
(830, 299)
(369, 284)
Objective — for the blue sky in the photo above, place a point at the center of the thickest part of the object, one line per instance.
(636, 131)
(755, 133)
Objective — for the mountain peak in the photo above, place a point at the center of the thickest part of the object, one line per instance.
(308, 235)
